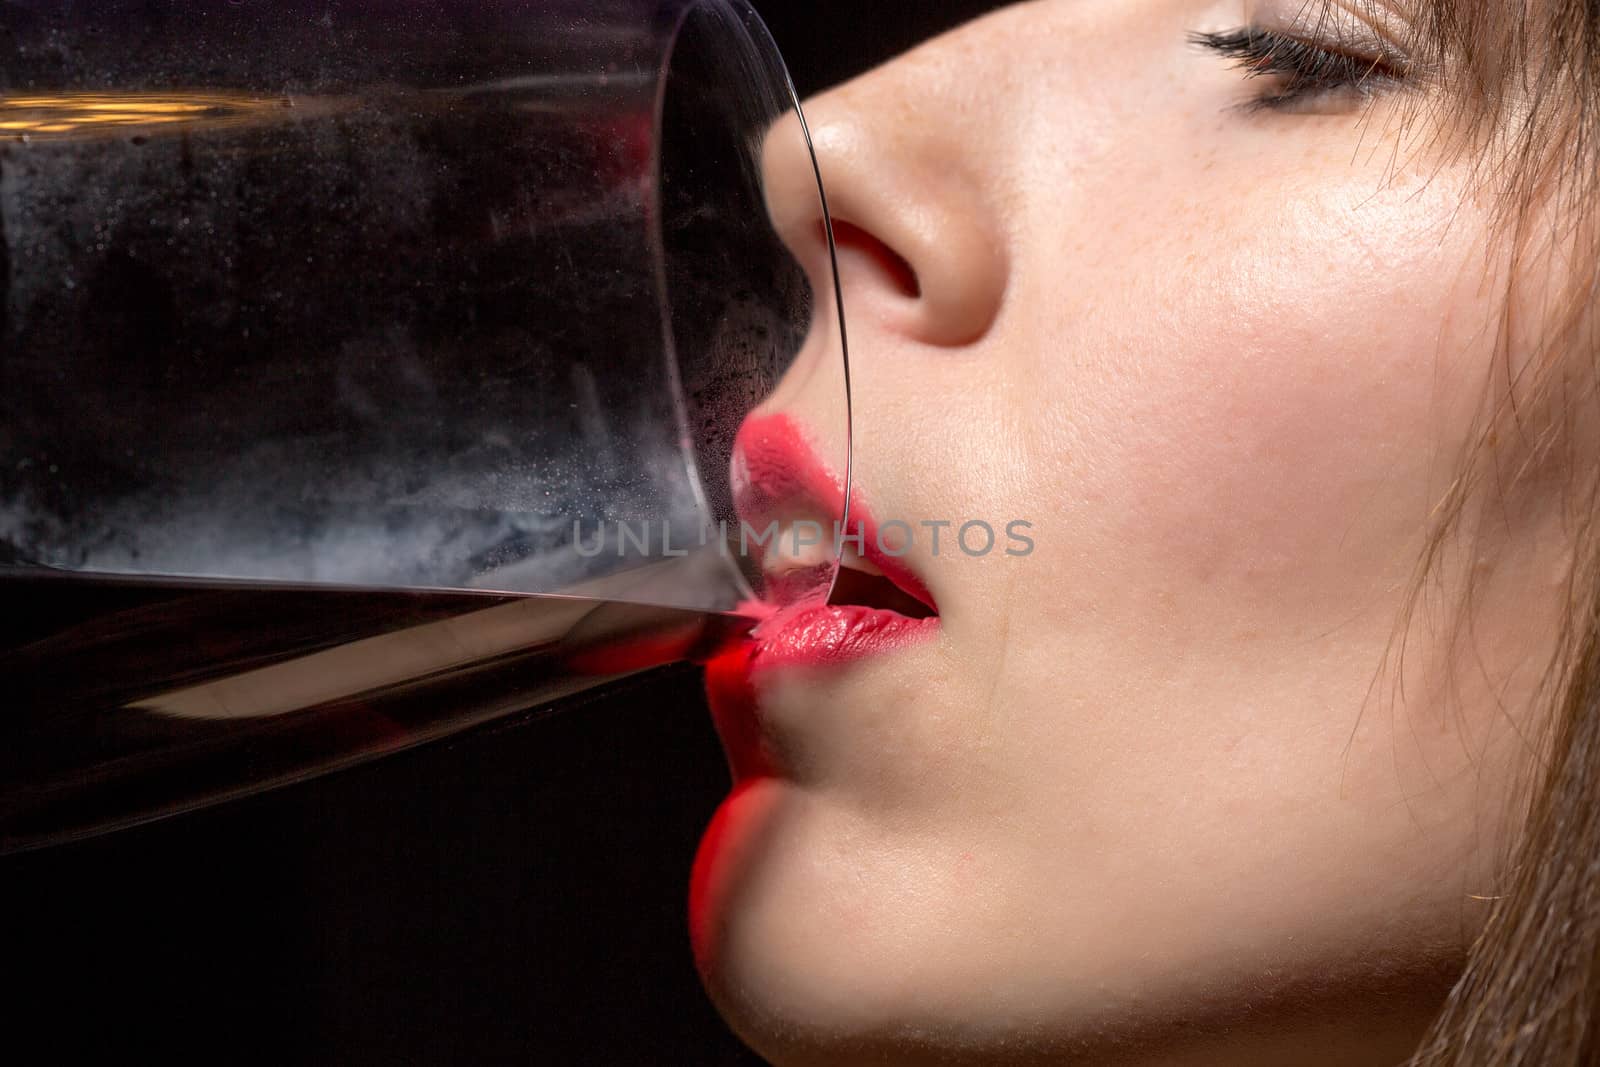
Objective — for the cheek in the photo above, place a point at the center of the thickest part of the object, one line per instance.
(1272, 399)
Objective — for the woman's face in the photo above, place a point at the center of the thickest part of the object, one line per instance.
(1153, 787)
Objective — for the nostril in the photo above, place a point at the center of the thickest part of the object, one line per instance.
(852, 238)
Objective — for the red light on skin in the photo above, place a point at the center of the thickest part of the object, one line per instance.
(730, 691)
(777, 476)
(721, 855)
(702, 909)
(814, 635)
(722, 859)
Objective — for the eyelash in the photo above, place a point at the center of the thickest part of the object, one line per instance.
(1303, 71)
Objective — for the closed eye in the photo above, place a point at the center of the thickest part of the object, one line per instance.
(1300, 72)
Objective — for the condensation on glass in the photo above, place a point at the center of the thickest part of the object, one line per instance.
(403, 294)
(371, 370)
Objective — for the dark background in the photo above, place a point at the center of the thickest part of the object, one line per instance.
(516, 894)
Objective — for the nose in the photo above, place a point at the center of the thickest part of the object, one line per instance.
(921, 247)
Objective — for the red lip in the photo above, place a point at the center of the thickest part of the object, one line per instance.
(780, 475)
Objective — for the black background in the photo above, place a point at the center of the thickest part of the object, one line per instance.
(513, 895)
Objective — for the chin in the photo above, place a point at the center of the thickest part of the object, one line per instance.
(819, 948)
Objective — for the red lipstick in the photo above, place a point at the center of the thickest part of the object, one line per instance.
(777, 475)
(820, 635)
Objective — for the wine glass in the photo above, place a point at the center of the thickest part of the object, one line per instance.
(372, 370)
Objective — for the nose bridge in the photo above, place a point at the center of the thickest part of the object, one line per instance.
(912, 162)
(928, 113)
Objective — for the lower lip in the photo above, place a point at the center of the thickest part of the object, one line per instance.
(815, 635)
(825, 635)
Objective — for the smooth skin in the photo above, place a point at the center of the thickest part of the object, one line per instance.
(1163, 791)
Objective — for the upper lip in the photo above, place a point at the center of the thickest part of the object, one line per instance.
(778, 477)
